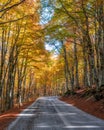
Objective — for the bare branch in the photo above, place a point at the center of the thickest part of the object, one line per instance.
(11, 21)
(8, 2)
(8, 8)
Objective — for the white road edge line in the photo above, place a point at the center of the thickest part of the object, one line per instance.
(19, 116)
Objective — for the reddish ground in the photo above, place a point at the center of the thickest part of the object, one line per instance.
(88, 105)
(7, 117)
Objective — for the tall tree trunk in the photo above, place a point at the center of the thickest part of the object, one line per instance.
(85, 67)
(67, 70)
(90, 48)
(76, 65)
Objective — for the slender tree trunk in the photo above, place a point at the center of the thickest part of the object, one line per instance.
(67, 70)
(76, 65)
(85, 67)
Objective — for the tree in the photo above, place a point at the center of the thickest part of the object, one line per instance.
(80, 23)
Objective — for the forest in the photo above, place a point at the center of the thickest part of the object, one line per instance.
(74, 30)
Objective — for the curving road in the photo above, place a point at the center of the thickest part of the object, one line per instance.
(49, 113)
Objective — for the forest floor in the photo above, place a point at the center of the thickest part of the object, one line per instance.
(7, 117)
(87, 104)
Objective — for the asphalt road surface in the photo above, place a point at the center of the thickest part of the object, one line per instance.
(49, 113)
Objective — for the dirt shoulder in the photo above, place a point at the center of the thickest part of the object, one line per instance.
(9, 116)
(88, 105)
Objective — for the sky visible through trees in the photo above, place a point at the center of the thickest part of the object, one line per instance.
(50, 48)
(46, 14)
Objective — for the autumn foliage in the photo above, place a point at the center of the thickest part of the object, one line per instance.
(27, 69)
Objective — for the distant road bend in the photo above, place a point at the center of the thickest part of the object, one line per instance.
(49, 113)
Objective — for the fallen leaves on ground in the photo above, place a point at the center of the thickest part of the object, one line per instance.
(88, 105)
(7, 117)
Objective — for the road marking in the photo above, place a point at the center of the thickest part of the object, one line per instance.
(66, 123)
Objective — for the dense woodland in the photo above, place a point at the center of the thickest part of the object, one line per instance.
(28, 69)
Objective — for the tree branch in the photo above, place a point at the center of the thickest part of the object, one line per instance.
(11, 21)
(8, 8)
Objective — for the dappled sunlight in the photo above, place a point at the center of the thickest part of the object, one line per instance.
(50, 113)
(8, 115)
(67, 127)
(86, 126)
(29, 114)
(26, 115)
(52, 50)
(67, 114)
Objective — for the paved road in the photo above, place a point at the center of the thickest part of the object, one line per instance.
(48, 113)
